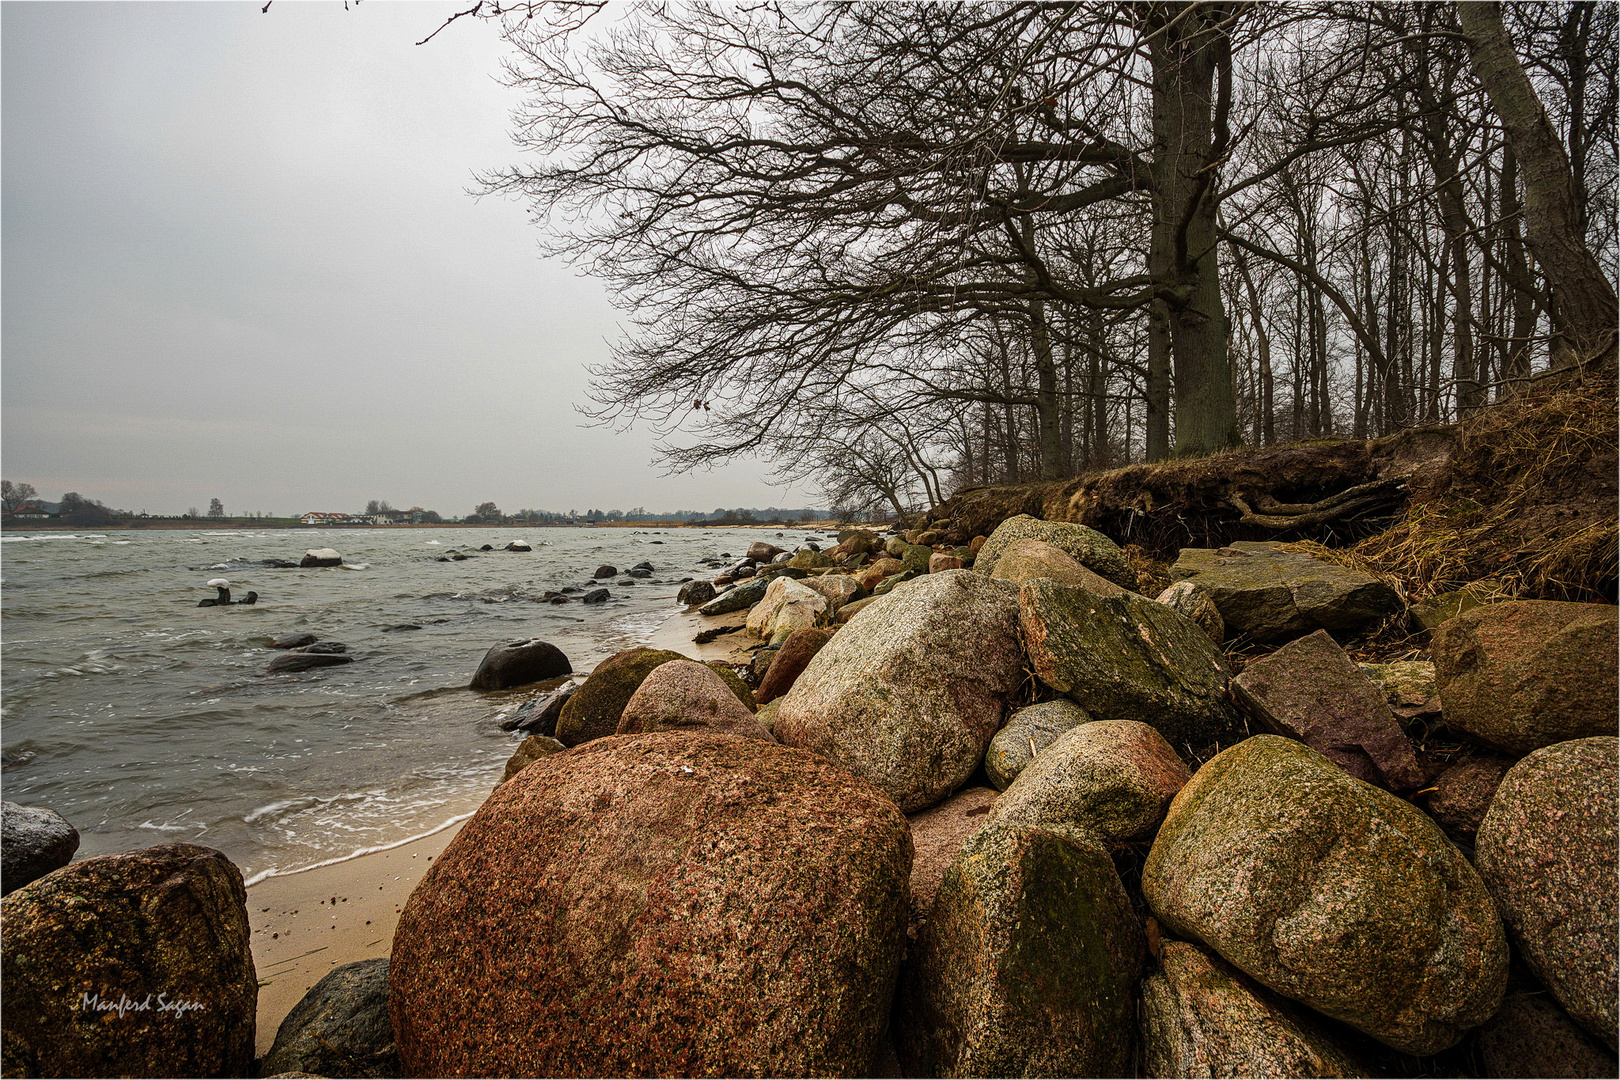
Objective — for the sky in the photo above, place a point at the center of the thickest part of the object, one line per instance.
(240, 261)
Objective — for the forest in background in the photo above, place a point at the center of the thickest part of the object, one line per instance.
(901, 249)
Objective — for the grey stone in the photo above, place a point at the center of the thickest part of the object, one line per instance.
(34, 840)
(735, 599)
(694, 593)
(1031, 730)
(1086, 546)
(1196, 604)
(293, 641)
(305, 661)
(339, 1028)
(1275, 596)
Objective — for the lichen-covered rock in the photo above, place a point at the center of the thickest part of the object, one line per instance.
(838, 589)
(909, 694)
(1026, 965)
(1547, 850)
(1331, 892)
(34, 840)
(1463, 793)
(667, 904)
(684, 695)
(790, 661)
(809, 559)
(787, 605)
(529, 751)
(1311, 691)
(1087, 546)
(1408, 687)
(1031, 730)
(339, 1028)
(1274, 595)
(1196, 604)
(1523, 674)
(937, 835)
(894, 581)
(1026, 560)
(694, 593)
(915, 557)
(1111, 779)
(1530, 1036)
(742, 596)
(594, 710)
(135, 964)
(1126, 657)
(518, 663)
(1202, 1017)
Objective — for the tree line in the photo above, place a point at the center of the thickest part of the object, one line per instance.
(902, 248)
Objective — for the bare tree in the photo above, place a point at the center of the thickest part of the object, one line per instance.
(13, 496)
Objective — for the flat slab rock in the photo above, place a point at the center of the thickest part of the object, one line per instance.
(1274, 595)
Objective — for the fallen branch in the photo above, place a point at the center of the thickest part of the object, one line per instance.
(1346, 504)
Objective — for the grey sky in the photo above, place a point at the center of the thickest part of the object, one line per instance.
(239, 261)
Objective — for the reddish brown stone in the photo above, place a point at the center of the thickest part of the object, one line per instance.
(670, 904)
(684, 695)
(879, 570)
(939, 561)
(1463, 793)
(791, 659)
(1311, 691)
(937, 834)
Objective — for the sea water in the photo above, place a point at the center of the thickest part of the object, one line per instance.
(144, 719)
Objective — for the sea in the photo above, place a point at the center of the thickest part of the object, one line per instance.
(145, 719)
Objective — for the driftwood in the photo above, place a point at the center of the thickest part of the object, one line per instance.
(1349, 505)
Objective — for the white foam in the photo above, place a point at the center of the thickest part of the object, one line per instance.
(358, 852)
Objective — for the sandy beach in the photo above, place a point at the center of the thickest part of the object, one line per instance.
(308, 923)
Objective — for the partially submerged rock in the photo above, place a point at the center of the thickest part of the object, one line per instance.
(339, 1028)
(1330, 892)
(1274, 595)
(1031, 730)
(518, 663)
(684, 695)
(1087, 546)
(34, 840)
(1547, 850)
(668, 904)
(299, 660)
(321, 557)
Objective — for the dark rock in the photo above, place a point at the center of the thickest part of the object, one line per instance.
(1127, 657)
(1531, 1036)
(684, 695)
(909, 695)
(306, 661)
(321, 557)
(743, 596)
(694, 593)
(1523, 674)
(529, 751)
(459, 557)
(1547, 850)
(789, 662)
(518, 545)
(1201, 1017)
(759, 551)
(279, 564)
(595, 596)
(339, 1028)
(1275, 596)
(643, 565)
(1463, 794)
(666, 904)
(34, 841)
(518, 663)
(594, 710)
(770, 573)
(1429, 614)
(294, 641)
(605, 572)
(1086, 546)
(1350, 900)
(639, 574)
(1311, 691)
(539, 716)
(937, 836)
(1026, 966)
(894, 581)
(1031, 730)
(143, 929)
(703, 637)
(559, 598)
(402, 626)
(486, 547)
(333, 647)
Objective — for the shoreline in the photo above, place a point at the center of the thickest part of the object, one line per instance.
(306, 922)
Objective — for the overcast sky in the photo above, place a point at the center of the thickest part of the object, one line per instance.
(240, 262)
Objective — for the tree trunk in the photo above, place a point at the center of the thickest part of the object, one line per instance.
(1047, 421)
(1516, 354)
(1156, 395)
(1584, 296)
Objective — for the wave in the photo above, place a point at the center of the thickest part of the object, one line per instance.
(358, 852)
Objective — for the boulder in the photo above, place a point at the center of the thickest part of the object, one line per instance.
(694, 593)
(743, 596)
(1463, 793)
(1086, 546)
(1311, 691)
(1531, 1036)
(1274, 595)
(1031, 730)
(909, 695)
(856, 542)
(916, 557)
(937, 836)
(1331, 892)
(1027, 964)
(788, 605)
(853, 608)
(669, 904)
(539, 716)
(1126, 657)
(322, 647)
(1196, 604)
(321, 557)
(293, 641)
(1108, 779)
(1202, 1017)
(839, 589)
(1408, 686)
(595, 708)
(977, 544)
(1028, 559)
(1547, 851)
(1523, 674)
(894, 581)
(767, 716)
(518, 545)
(34, 840)
(299, 660)
(808, 558)
(595, 596)
(518, 663)
(529, 751)
(894, 546)
(639, 573)
(134, 964)
(761, 552)
(684, 695)
(790, 661)
(339, 1028)
(869, 577)
(605, 571)
(783, 570)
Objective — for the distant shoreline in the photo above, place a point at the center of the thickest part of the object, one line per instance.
(172, 524)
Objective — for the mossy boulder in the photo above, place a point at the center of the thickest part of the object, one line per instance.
(1274, 595)
(1031, 730)
(890, 583)
(1027, 964)
(594, 710)
(1085, 545)
(1330, 892)
(915, 557)
(134, 964)
(742, 596)
(1026, 560)
(1126, 657)
(808, 559)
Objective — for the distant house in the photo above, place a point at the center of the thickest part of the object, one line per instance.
(31, 510)
(316, 517)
